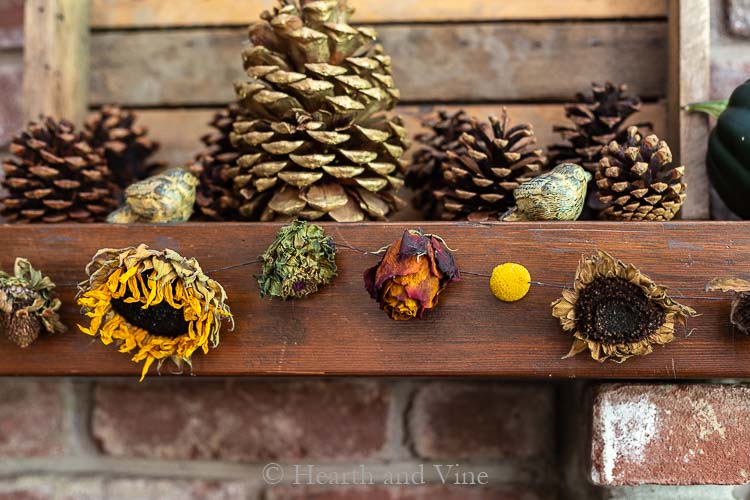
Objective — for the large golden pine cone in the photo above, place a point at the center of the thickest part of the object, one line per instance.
(317, 143)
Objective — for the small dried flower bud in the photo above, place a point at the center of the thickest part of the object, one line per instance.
(298, 262)
(411, 275)
(740, 314)
(28, 304)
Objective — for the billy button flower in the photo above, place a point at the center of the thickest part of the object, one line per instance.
(411, 275)
(156, 303)
(615, 311)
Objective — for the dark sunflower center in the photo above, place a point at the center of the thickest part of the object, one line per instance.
(161, 319)
(614, 311)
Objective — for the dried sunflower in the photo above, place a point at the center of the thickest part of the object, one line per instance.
(158, 303)
(615, 311)
(740, 313)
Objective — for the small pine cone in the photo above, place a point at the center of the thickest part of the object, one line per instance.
(479, 178)
(216, 168)
(23, 329)
(596, 120)
(637, 180)
(56, 176)
(425, 174)
(126, 145)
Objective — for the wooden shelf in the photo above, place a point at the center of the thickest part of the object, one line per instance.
(341, 331)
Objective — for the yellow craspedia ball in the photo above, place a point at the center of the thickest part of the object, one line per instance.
(510, 282)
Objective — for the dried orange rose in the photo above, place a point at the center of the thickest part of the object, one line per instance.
(411, 275)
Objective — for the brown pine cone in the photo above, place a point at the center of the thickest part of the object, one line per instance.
(127, 147)
(56, 176)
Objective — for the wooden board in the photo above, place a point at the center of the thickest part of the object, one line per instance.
(153, 13)
(179, 130)
(689, 81)
(458, 63)
(340, 331)
(56, 61)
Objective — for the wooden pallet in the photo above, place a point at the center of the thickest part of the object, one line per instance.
(176, 64)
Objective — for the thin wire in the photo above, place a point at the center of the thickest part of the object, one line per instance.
(676, 292)
(362, 250)
(235, 266)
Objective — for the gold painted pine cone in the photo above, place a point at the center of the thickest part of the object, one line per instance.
(615, 312)
(316, 141)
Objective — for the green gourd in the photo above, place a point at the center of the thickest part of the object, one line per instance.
(728, 159)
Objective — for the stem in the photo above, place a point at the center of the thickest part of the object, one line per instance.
(713, 108)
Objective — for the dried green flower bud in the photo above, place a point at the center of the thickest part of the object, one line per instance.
(28, 303)
(301, 259)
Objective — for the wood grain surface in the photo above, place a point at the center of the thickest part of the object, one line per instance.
(341, 331)
(689, 81)
(179, 130)
(159, 13)
(56, 59)
(457, 63)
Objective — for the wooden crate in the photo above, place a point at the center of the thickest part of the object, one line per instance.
(175, 60)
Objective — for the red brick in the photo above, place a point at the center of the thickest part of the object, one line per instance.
(31, 418)
(50, 488)
(426, 492)
(11, 24)
(483, 420)
(174, 489)
(11, 80)
(670, 434)
(242, 420)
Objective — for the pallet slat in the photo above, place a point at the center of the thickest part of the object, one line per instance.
(476, 62)
(161, 13)
(179, 130)
(340, 331)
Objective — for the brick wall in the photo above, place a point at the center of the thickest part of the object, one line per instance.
(184, 439)
(174, 439)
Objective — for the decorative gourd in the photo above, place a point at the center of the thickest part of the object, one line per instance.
(728, 159)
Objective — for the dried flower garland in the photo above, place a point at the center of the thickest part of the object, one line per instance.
(157, 303)
(615, 311)
(740, 313)
(299, 261)
(411, 275)
(28, 304)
